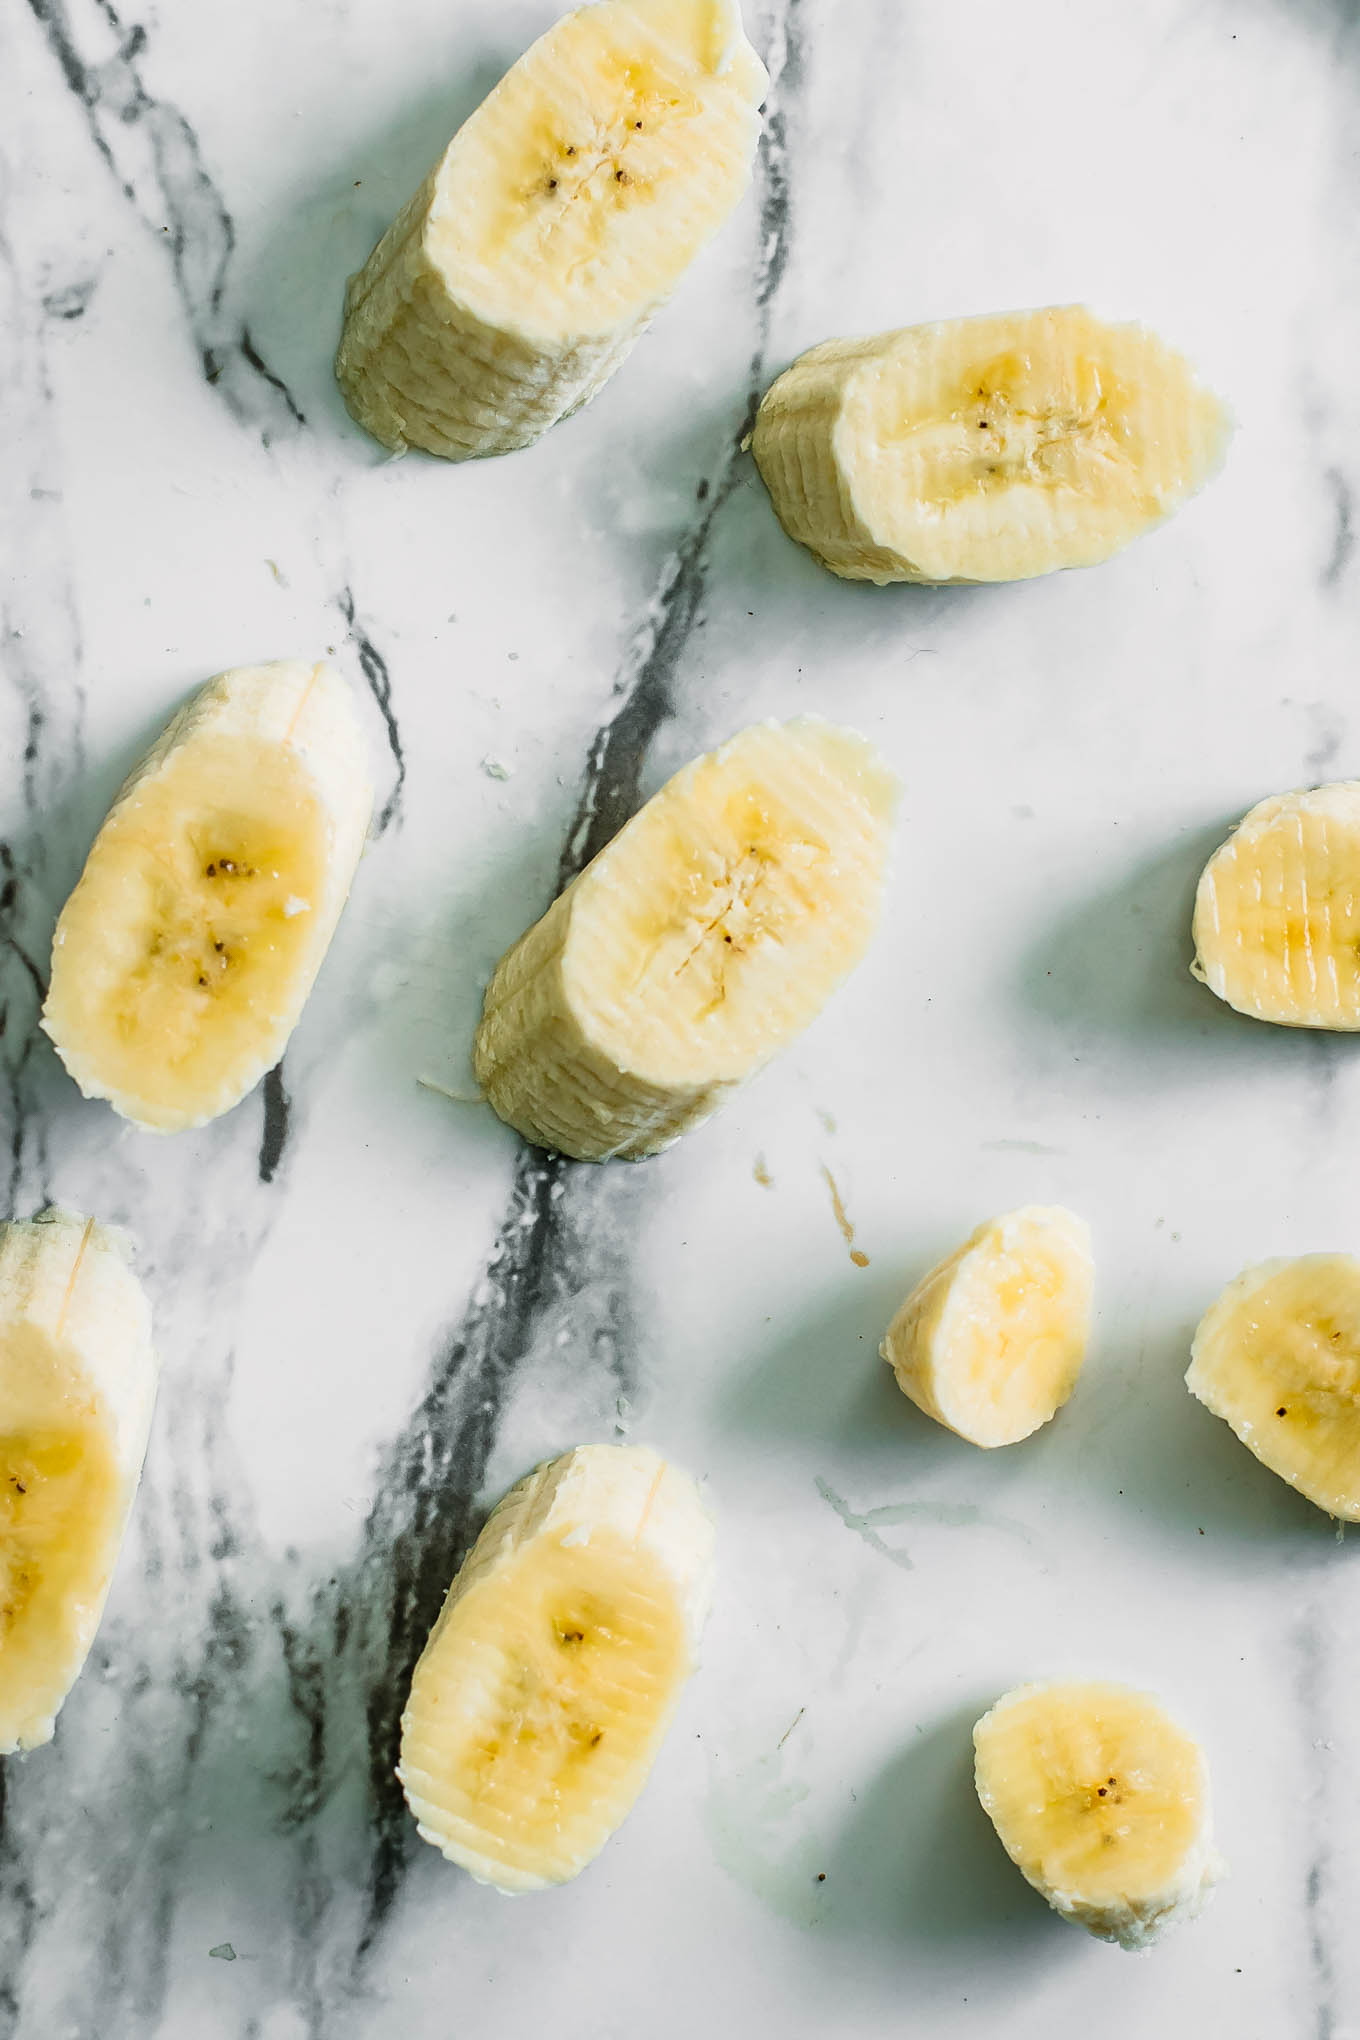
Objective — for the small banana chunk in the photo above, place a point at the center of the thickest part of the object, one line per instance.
(1103, 1803)
(544, 1693)
(707, 934)
(990, 1342)
(985, 449)
(1277, 911)
(182, 960)
(558, 220)
(77, 1386)
(1277, 1356)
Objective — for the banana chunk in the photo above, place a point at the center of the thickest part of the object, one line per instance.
(986, 449)
(544, 1693)
(991, 1341)
(77, 1386)
(1277, 911)
(1277, 1356)
(557, 222)
(183, 958)
(707, 934)
(1103, 1803)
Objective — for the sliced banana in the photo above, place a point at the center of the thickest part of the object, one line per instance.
(557, 222)
(986, 449)
(1277, 1356)
(991, 1341)
(1103, 1803)
(544, 1693)
(184, 956)
(1277, 911)
(702, 938)
(77, 1385)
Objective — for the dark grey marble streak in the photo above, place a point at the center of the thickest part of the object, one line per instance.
(43, 720)
(274, 1131)
(378, 680)
(153, 151)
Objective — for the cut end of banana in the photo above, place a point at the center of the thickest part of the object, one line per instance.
(183, 958)
(78, 1381)
(1277, 911)
(707, 934)
(541, 1700)
(990, 1342)
(1277, 1356)
(985, 449)
(1103, 1803)
(562, 215)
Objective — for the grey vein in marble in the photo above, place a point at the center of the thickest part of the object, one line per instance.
(373, 666)
(1310, 1651)
(274, 1131)
(40, 656)
(153, 151)
(1343, 535)
(870, 1523)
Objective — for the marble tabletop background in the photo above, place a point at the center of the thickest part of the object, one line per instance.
(376, 1309)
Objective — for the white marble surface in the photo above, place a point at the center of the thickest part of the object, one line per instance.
(375, 1310)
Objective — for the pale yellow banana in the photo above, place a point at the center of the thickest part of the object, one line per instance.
(184, 956)
(555, 225)
(546, 1688)
(985, 449)
(1103, 1803)
(1277, 1356)
(1277, 911)
(990, 1342)
(707, 934)
(77, 1385)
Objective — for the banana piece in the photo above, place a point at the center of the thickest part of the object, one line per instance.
(1277, 1356)
(985, 449)
(544, 1693)
(184, 956)
(555, 225)
(1103, 1803)
(991, 1341)
(1277, 911)
(77, 1385)
(701, 939)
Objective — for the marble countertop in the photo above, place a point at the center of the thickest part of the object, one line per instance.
(376, 1309)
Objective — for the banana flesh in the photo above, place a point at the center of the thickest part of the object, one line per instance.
(1103, 1803)
(542, 1698)
(1277, 1356)
(183, 958)
(1277, 911)
(702, 938)
(991, 1341)
(77, 1385)
(985, 449)
(555, 225)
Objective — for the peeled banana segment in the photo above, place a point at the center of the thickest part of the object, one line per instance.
(985, 449)
(1102, 1802)
(707, 934)
(182, 960)
(1277, 1356)
(557, 222)
(77, 1386)
(1277, 911)
(544, 1693)
(991, 1341)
